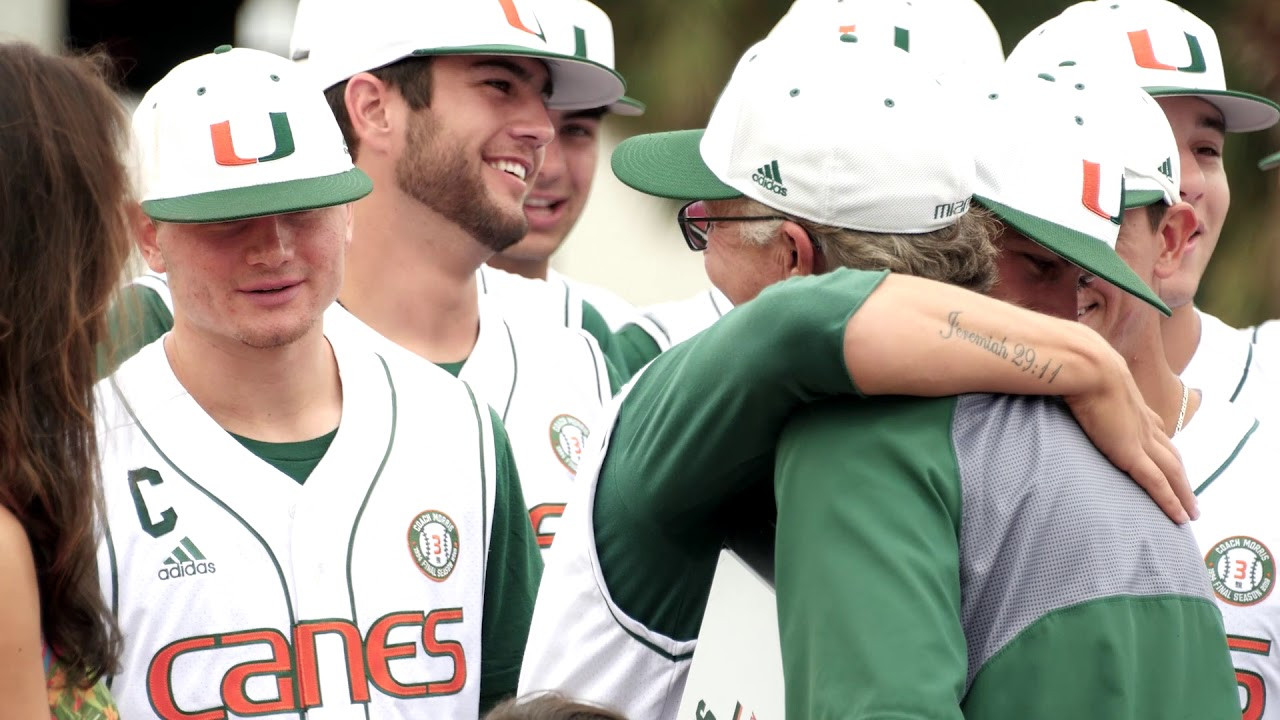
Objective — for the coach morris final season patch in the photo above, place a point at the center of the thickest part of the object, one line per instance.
(433, 542)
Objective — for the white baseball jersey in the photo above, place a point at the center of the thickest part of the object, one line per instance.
(642, 672)
(528, 300)
(1227, 365)
(616, 311)
(242, 593)
(1230, 460)
(1266, 334)
(547, 384)
(679, 320)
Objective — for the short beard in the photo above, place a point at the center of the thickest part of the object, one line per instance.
(436, 174)
(275, 338)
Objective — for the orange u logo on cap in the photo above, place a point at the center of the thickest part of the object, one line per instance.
(224, 152)
(513, 18)
(1091, 195)
(1144, 55)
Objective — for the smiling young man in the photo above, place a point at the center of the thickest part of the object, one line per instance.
(1228, 453)
(685, 466)
(1163, 48)
(445, 106)
(262, 473)
(563, 186)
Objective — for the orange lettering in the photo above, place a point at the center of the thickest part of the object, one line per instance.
(538, 514)
(437, 648)
(159, 688)
(233, 683)
(380, 654)
(304, 644)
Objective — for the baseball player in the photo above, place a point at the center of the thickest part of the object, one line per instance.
(1174, 55)
(1228, 453)
(955, 38)
(955, 556)
(560, 193)
(296, 526)
(627, 582)
(453, 132)
(565, 28)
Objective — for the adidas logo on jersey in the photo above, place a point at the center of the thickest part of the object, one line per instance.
(185, 560)
(769, 177)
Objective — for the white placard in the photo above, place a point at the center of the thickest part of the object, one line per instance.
(736, 672)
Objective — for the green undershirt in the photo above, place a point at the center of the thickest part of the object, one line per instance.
(295, 459)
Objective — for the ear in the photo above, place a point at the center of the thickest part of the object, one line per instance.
(1176, 227)
(350, 223)
(373, 118)
(145, 238)
(801, 258)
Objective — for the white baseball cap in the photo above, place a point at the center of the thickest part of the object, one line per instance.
(240, 133)
(955, 38)
(581, 29)
(339, 38)
(852, 135)
(1152, 170)
(1052, 165)
(1155, 45)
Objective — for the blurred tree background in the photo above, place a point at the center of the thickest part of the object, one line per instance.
(677, 54)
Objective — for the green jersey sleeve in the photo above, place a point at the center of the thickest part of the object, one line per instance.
(511, 580)
(137, 318)
(867, 560)
(595, 325)
(636, 347)
(693, 445)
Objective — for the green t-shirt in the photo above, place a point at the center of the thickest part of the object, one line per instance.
(691, 455)
(295, 459)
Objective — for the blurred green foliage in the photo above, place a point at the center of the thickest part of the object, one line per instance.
(677, 54)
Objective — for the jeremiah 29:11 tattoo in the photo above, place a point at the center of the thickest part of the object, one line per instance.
(1023, 357)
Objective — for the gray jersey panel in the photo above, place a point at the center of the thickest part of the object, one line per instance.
(1048, 522)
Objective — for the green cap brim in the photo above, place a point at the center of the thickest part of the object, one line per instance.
(1242, 111)
(1141, 198)
(628, 106)
(1270, 161)
(669, 165)
(582, 83)
(1089, 253)
(259, 200)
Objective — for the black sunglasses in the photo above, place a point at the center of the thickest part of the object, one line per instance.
(696, 224)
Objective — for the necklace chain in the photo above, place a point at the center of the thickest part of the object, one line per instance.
(1182, 413)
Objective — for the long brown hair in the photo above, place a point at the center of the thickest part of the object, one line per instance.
(63, 243)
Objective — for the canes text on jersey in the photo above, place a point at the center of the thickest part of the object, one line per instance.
(295, 669)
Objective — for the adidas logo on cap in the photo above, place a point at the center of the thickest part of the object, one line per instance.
(769, 177)
(185, 560)
(1166, 168)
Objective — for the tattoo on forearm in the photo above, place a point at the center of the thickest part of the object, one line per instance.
(1023, 357)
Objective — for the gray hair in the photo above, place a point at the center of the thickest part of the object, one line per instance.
(963, 253)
